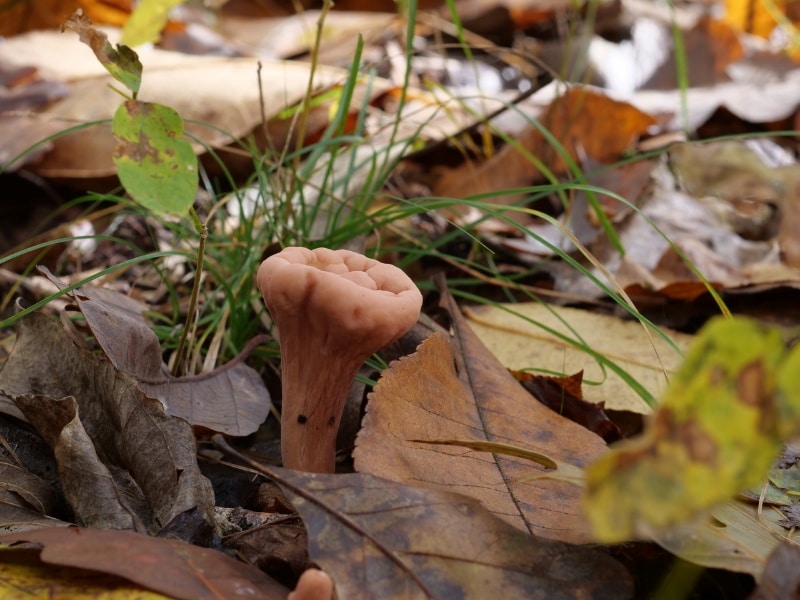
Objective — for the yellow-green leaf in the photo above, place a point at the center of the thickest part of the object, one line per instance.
(720, 425)
(146, 22)
(157, 167)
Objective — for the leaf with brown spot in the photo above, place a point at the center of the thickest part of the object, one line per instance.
(719, 426)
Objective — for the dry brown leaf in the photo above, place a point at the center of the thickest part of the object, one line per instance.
(27, 475)
(584, 122)
(456, 389)
(171, 567)
(22, 571)
(121, 461)
(381, 539)
(232, 399)
(781, 578)
(20, 487)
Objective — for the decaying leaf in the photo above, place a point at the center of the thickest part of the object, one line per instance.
(720, 425)
(122, 462)
(736, 538)
(455, 389)
(557, 394)
(232, 399)
(581, 121)
(122, 62)
(24, 575)
(781, 576)
(155, 164)
(171, 567)
(28, 494)
(382, 539)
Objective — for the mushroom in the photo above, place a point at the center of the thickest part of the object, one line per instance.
(313, 585)
(333, 310)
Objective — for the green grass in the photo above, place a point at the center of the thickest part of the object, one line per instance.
(306, 196)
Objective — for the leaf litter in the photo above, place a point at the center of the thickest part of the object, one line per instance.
(454, 388)
(659, 279)
(384, 539)
(122, 462)
(231, 399)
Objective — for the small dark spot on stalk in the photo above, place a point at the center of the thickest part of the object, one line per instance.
(302, 419)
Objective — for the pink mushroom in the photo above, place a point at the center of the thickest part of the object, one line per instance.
(313, 585)
(333, 310)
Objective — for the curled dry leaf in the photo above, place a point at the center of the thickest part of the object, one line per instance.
(25, 498)
(232, 399)
(122, 462)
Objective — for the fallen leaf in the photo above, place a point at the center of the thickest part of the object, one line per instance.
(218, 97)
(733, 538)
(22, 90)
(548, 339)
(232, 399)
(17, 18)
(382, 539)
(147, 22)
(719, 426)
(581, 121)
(557, 394)
(713, 46)
(121, 461)
(790, 221)
(170, 567)
(24, 575)
(21, 487)
(781, 578)
(454, 389)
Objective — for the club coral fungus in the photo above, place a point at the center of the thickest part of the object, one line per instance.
(333, 310)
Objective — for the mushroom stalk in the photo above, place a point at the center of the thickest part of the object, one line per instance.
(315, 384)
(333, 310)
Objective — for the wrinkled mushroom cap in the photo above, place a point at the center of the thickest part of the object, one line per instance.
(338, 300)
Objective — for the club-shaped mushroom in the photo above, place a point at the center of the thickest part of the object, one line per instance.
(333, 310)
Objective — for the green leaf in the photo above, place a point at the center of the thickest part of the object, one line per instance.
(122, 62)
(156, 166)
(146, 22)
(719, 427)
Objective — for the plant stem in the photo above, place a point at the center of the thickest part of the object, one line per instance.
(179, 368)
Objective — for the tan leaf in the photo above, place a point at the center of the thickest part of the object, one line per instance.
(222, 94)
(520, 339)
(453, 388)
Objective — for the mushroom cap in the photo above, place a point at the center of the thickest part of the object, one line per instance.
(337, 300)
